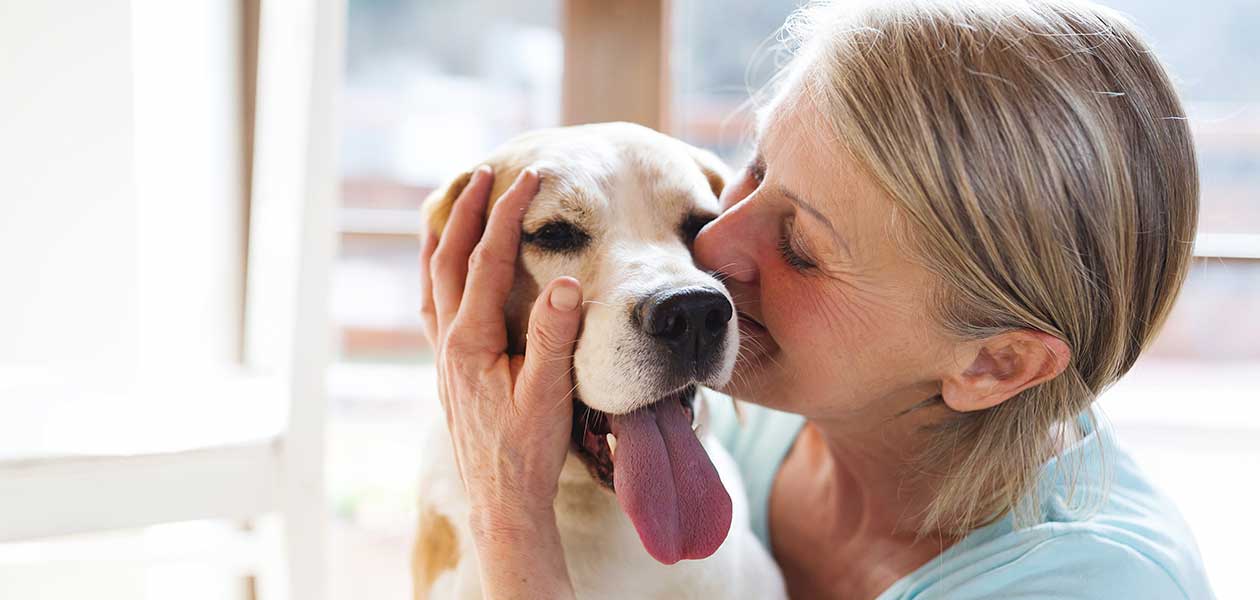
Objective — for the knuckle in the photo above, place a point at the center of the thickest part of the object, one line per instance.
(461, 341)
(440, 254)
(456, 343)
(547, 337)
(441, 266)
(428, 321)
(428, 245)
(483, 258)
(430, 336)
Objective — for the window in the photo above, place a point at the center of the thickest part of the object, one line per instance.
(423, 101)
(431, 87)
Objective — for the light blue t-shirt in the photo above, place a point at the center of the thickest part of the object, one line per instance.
(1135, 546)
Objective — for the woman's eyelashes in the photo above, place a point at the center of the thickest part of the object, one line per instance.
(788, 250)
(788, 242)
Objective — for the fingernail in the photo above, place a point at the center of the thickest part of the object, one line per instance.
(485, 171)
(564, 298)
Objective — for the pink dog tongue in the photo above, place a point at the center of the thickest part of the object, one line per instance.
(667, 485)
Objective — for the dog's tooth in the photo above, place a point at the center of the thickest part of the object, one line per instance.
(612, 444)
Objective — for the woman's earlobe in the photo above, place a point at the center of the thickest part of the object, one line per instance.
(999, 367)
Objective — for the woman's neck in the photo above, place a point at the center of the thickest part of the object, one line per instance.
(866, 474)
(862, 507)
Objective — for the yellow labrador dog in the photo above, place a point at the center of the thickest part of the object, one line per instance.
(647, 498)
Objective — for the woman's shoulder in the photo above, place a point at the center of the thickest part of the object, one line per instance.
(1131, 543)
(1078, 564)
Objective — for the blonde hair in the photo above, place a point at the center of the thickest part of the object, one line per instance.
(1045, 173)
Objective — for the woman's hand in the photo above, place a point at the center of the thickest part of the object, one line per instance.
(509, 416)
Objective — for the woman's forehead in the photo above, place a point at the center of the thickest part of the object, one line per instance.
(795, 143)
(801, 154)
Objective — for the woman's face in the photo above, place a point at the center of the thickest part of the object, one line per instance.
(833, 311)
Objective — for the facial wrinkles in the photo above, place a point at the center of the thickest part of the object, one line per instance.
(846, 296)
(853, 302)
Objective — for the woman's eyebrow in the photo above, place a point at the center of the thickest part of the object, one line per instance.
(814, 212)
(757, 162)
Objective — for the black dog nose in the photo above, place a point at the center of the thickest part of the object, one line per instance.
(690, 322)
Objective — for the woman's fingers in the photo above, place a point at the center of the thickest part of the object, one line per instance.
(428, 311)
(492, 266)
(546, 378)
(449, 266)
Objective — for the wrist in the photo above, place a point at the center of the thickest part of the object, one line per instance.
(521, 546)
(511, 523)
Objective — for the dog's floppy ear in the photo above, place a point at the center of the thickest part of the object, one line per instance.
(437, 206)
(713, 168)
(436, 209)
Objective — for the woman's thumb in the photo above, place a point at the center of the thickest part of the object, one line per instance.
(553, 328)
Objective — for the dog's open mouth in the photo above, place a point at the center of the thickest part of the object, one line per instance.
(661, 473)
(592, 436)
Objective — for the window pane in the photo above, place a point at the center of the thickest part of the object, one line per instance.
(721, 52)
(1211, 49)
(424, 100)
(431, 87)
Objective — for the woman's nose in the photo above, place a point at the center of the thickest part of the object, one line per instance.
(728, 244)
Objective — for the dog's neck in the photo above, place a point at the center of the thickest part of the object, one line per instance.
(581, 502)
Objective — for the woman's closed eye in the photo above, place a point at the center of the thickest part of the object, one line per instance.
(791, 248)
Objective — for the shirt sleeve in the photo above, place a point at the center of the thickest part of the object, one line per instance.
(1075, 566)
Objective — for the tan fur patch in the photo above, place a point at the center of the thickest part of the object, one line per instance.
(437, 206)
(436, 551)
(712, 167)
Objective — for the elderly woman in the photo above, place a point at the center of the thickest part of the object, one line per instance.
(963, 221)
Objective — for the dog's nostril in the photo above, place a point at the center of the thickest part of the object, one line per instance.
(715, 321)
(690, 322)
(675, 326)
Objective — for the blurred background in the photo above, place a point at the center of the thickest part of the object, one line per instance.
(177, 177)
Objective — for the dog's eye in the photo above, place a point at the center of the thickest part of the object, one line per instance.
(557, 236)
(692, 225)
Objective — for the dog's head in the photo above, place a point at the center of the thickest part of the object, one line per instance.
(618, 208)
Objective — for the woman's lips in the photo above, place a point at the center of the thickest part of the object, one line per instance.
(750, 325)
(755, 340)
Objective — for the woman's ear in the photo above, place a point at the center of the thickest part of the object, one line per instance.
(996, 368)
(437, 206)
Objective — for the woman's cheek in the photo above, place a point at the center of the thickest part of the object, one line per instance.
(802, 308)
(782, 301)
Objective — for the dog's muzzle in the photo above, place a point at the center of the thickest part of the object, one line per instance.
(690, 326)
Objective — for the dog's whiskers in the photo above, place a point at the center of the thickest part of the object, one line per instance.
(724, 275)
(569, 357)
(566, 373)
